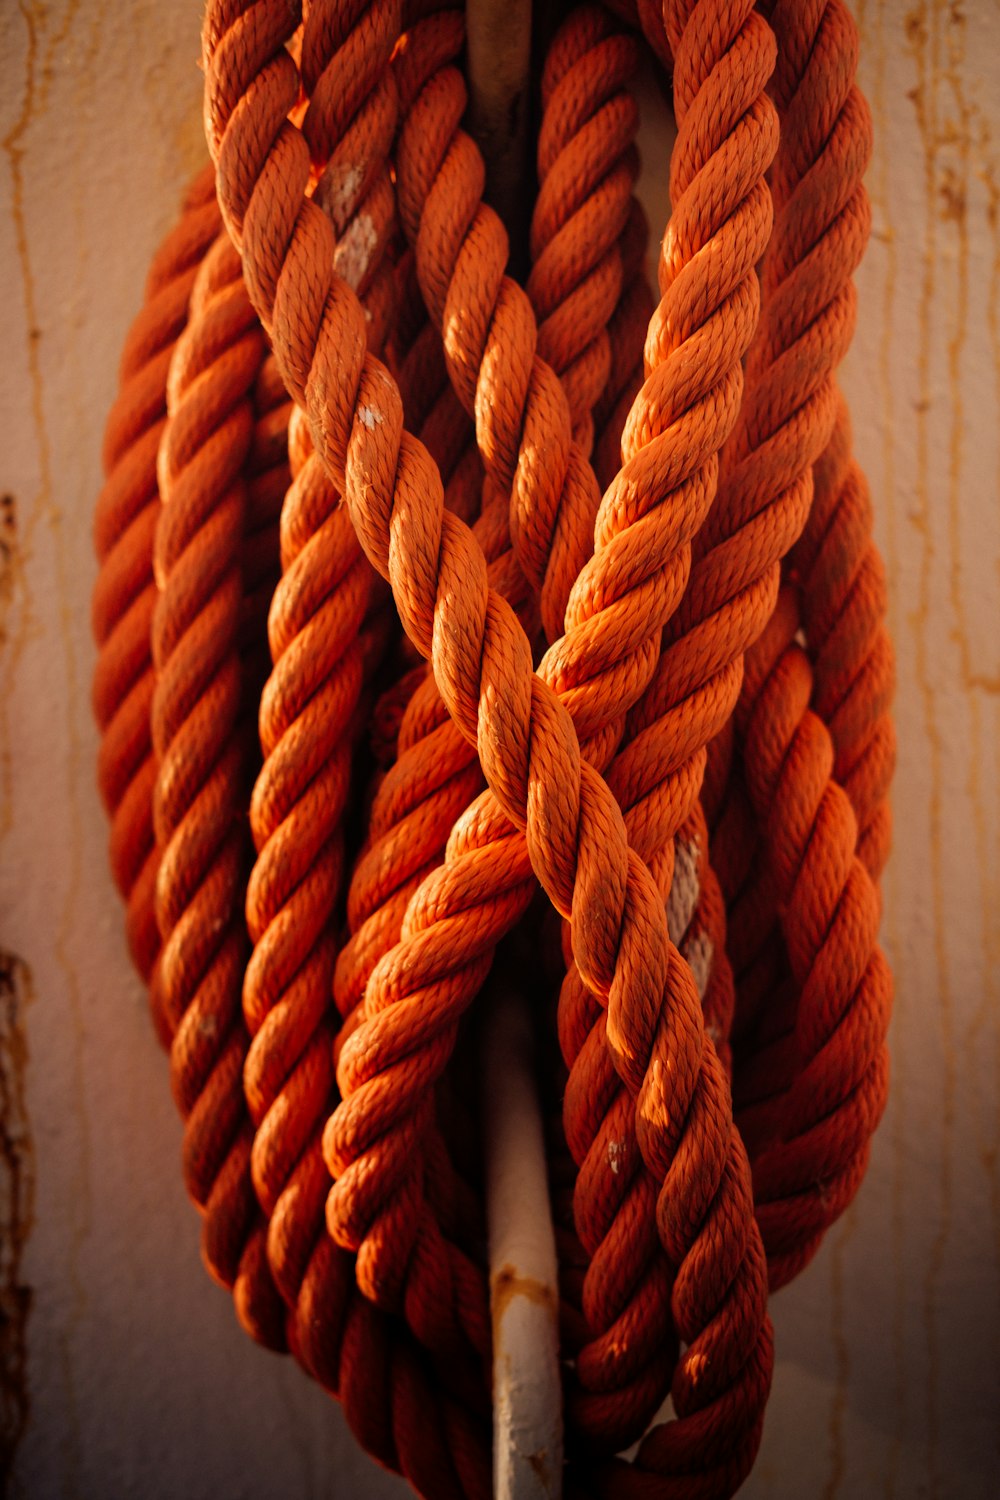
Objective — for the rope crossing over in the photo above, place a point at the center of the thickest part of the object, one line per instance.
(459, 633)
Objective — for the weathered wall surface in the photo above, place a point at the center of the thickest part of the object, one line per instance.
(126, 1368)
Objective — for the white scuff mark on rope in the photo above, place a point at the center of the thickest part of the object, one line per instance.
(698, 953)
(355, 250)
(369, 417)
(338, 191)
(616, 1151)
(684, 888)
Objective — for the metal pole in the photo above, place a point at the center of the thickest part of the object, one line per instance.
(524, 1297)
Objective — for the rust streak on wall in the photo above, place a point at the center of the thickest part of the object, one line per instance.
(17, 1194)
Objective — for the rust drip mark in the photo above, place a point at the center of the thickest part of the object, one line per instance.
(506, 1284)
(14, 150)
(38, 76)
(178, 141)
(886, 504)
(956, 129)
(954, 191)
(922, 30)
(985, 1013)
(8, 558)
(991, 892)
(540, 1467)
(17, 1201)
(972, 133)
(45, 44)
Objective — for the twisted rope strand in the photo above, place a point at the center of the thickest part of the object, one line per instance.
(377, 462)
(308, 705)
(433, 782)
(842, 590)
(508, 881)
(829, 1058)
(695, 771)
(124, 594)
(583, 206)
(201, 755)
(657, 774)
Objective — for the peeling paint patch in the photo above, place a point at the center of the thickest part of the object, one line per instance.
(17, 1197)
(506, 1283)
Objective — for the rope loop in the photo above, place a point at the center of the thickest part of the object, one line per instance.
(461, 629)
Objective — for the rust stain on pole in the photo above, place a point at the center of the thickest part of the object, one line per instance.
(524, 1300)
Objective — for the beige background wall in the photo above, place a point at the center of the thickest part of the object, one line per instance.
(137, 1379)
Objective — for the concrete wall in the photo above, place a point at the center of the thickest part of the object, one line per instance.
(137, 1380)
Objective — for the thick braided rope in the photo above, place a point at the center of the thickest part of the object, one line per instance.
(444, 427)
(435, 777)
(763, 503)
(401, 1412)
(289, 1120)
(806, 1175)
(841, 596)
(310, 701)
(293, 1223)
(416, 1466)
(842, 591)
(200, 749)
(378, 462)
(654, 1403)
(657, 775)
(586, 176)
(412, 1419)
(124, 594)
(841, 989)
(294, 1124)
(297, 1217)
(434, 781)
(435, 113)
(488, 328)
(820, 233)
(393, 1406)
(436, 273)
(342, 1340)
(267, 478)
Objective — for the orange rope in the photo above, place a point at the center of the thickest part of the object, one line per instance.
(666, 707)
(124, 595)
(202, 754)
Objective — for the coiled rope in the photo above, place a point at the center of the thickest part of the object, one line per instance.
(631, 542)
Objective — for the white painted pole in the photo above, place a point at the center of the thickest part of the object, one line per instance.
(524, 1297)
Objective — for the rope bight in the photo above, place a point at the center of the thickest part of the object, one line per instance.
(451, 624)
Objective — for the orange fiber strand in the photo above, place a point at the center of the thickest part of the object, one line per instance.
(444, 621)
